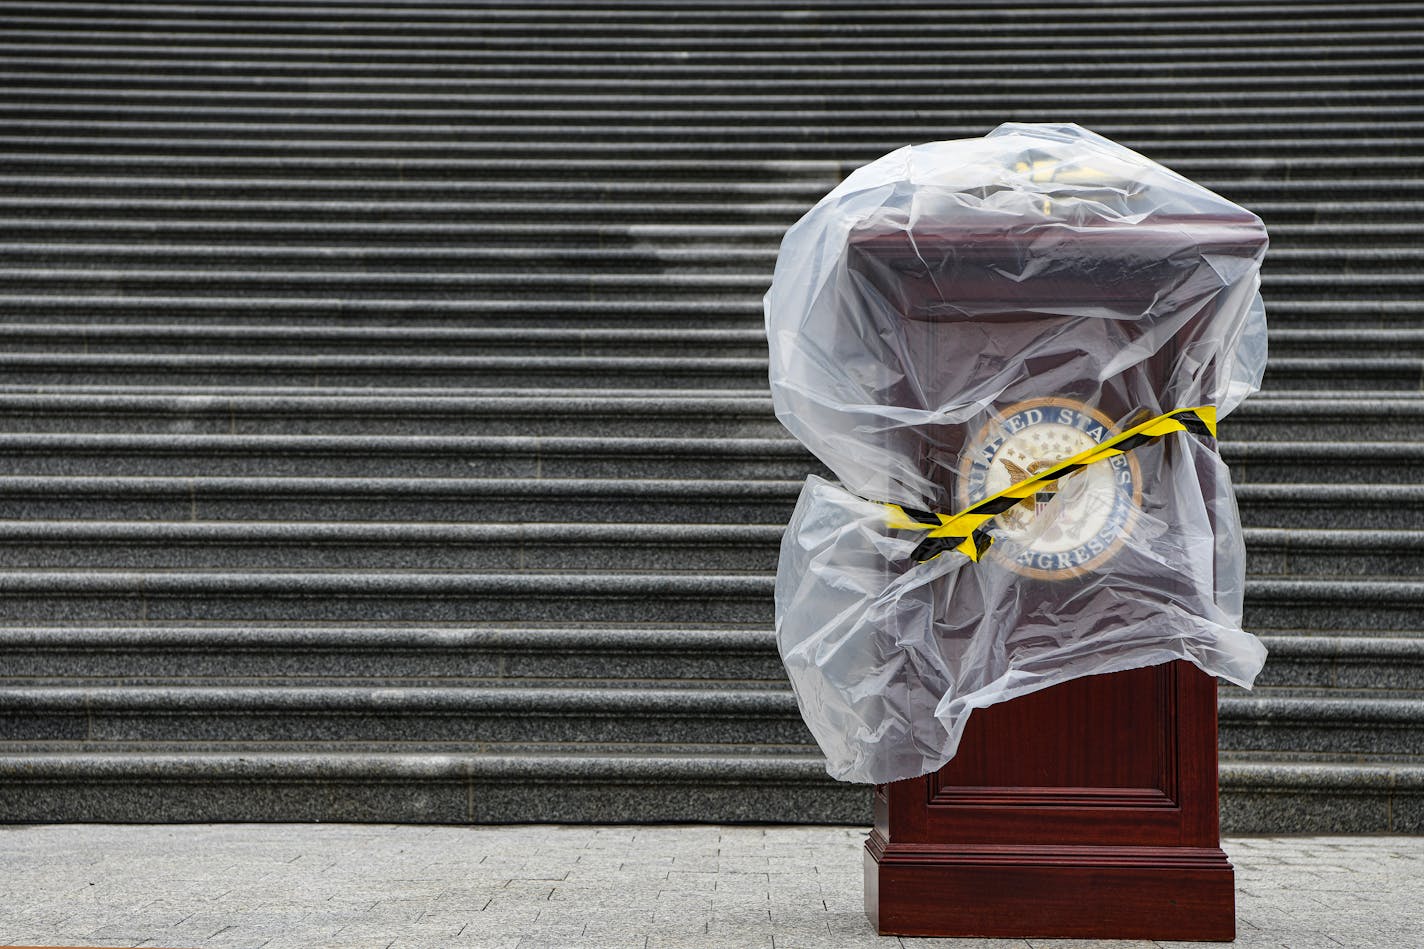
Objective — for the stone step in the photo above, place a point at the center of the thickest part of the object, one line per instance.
(149, 192)
(629, 270)
(1403, 374)
(1321, 724)
(595, 412)
(435, 456)
(1325, 797)
(365, 341)
(568, 49)
(614, 253)
(527, 711)
(1318, 140)
(1202, 67)
(263, 546)
(1313, 605)
(407, 456)
(556, 313)
(217, 93)
(500, 547)
(687, 251)
(594, 657)
(299, 25)
(299, 498)
(316, 36)
(1276, 204)
(1354, 462)
(549, 237)
(420, 718)
(590, 336)
(1124, 121)
(461, 787)
(1348, 416)
(1400, 374)
(733, 19)
(336, 168)
(1307, 243)
(736, 21)
(466, 500)
(692, 11)
(548, 310)
(1291, 340)
(1344, 662)
(519, 717)
(612, 310)
(396, 597)
(1331, 506)
(508, 370)
(1341, 553)
(1303, 140)
(849, 110)
(364, 164)
(375, 655)
(473, 788)
(1360, 316)
(1382, 416)
(1333, 607)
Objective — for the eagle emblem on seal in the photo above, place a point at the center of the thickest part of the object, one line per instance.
(1067, 527)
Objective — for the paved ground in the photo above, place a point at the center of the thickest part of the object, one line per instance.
(531, 887)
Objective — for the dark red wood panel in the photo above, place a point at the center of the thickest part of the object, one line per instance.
(1101, 822)
(1074, 735)
(1181, 895)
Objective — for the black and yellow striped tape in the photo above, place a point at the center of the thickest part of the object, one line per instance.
(965, 531)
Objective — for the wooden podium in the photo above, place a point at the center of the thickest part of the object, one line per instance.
(1089, 809)
(1101, 823)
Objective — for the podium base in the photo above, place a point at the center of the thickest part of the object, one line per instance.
(1087, 810)
(1173, 893)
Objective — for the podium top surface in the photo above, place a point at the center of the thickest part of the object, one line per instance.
(981, 266)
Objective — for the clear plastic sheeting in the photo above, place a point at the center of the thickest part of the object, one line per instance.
(950, 320)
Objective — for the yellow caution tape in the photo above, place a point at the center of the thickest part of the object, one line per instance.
(965, 531)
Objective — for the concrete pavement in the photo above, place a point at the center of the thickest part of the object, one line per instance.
(275, 886)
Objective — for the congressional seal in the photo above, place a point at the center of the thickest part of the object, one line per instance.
(1069, 527)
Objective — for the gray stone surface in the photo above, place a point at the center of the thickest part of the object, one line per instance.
(466, 499)
(591, 887)
(387, 655)
(203, 544)
(585, 782)
(475, 716)
(1343, 662)
(271, 269)
(1328, 797)
(405, 456)
(1305, 462)
(362, 783)
(1398, 375)
(270, 409)
(1278, 416)
(493, 500)
(429, 340)
(121, 545)
(1345, 725)
(1341, 506)
(1331, 606)
(713, 372)
(175, 597)
(1363, 553)
(178, 597)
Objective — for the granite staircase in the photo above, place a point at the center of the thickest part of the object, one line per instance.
(384, 430)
